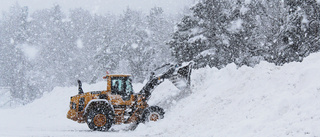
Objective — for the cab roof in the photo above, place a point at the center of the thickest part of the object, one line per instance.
(117, 75)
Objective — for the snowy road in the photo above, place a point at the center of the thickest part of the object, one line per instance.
(263, 101)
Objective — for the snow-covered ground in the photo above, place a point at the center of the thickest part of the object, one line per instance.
(267, 100)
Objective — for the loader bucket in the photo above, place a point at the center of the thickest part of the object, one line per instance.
(179, 75)
(181, 79)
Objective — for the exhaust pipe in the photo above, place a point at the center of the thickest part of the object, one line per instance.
(80, 87)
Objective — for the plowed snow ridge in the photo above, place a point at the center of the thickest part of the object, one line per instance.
(267, 100)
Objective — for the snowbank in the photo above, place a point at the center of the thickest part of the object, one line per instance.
(267, 100)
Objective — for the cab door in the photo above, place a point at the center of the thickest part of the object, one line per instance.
(121, 91)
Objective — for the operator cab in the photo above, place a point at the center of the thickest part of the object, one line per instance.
(121, 85)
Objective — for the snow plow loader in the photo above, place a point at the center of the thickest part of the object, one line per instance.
(118, 104)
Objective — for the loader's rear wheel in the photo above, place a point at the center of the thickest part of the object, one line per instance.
(153, 113)
(154, 117)
(100, 117)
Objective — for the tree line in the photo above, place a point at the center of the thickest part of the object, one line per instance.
(47, 48)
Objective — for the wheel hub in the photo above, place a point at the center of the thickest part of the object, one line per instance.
(154, 117)
(99, 120)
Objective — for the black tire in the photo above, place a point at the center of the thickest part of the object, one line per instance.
(99, 117)
(153, 113)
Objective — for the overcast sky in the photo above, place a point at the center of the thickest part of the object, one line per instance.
(100, 6)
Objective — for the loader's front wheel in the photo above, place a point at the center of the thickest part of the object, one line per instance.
(100, 120)
(100, 117)
(153, 113)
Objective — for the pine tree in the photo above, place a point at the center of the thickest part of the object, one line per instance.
(15, 72)
(158, 31)
(244, 32)
(300, 35)
(202, 37)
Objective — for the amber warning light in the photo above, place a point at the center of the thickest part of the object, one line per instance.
(106, 76)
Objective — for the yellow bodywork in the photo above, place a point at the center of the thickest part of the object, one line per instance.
(136, 101)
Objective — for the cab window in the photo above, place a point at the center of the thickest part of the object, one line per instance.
(121, 86)
(116, 85)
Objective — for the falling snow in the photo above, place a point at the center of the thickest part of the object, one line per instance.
(256, 66)
(79, 44)
(236, 25)
(29, 51)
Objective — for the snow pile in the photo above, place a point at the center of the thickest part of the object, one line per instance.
(267, 100)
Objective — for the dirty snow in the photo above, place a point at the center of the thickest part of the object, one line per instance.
(264, 101)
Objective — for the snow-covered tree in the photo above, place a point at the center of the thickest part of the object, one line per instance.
(299, 36)
(158, 31)
(244, 32)
(202, 36)
(136, 44)
(15, 65)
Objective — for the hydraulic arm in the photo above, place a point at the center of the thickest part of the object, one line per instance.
(179, 75)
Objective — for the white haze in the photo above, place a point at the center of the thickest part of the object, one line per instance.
(101, 6)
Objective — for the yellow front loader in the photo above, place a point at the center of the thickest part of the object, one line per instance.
(118, 104)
